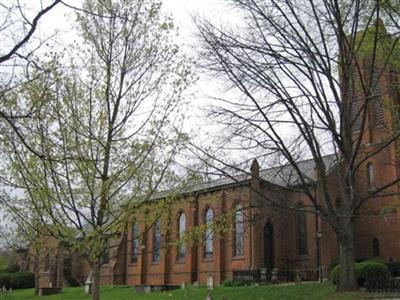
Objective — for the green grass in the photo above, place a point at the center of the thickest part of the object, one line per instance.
(306, 291)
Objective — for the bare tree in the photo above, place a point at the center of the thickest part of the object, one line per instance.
(108, 126)
(309, 76)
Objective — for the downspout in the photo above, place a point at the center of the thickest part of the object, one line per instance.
(251, 230)
(318, 238)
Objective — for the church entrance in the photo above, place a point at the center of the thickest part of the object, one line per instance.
(269, 247)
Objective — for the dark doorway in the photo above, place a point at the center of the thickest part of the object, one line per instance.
(269, 246)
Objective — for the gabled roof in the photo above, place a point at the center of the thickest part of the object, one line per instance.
(284, 176)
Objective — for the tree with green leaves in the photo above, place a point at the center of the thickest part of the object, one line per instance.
(108, 126)
(307, 77)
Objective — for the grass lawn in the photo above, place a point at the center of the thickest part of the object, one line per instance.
(307, 291)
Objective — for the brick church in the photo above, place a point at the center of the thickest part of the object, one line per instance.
(263, 237)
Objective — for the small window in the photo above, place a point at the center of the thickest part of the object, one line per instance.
(181, 233)
(209, 238)
(370, 176)
(239, 230)
(157, 241)
(301, 231)
(134, 243)
(375, 248)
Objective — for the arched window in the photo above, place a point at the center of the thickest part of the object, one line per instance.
(209, 238)
(375, 247)
(47, 263)
(239, 242)
(301, 231)
(370, 176)
(157, 241)
(134, 243)
(181, 233)
(106, 255)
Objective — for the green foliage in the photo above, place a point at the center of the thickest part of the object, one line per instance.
(5, 279)
(371, 270)
(8, 265)
(22, 280)
(334, 262)
(394, 267)
(364, 271)
(11, 268)
(371, 259)
(375, 39)
(233, 282)
(18, 280)
(335, 274)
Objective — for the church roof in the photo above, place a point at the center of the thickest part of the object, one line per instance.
(284, 176)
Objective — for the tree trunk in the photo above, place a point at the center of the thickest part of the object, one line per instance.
(348, 279)
(95, 282)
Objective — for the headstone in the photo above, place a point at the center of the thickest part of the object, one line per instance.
(88, 284)
(297, 278)
(183, 286)
(147, 289)
(4, 289)
(209, 297)
(210, 282)
(274, 275)
(196, 284)
(263, 274)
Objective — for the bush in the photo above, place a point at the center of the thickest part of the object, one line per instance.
(364, 271)
(372, 270)
(22, 280)
(233, 282)
(371, 259)
(394, 268)
(5, 280)
(334, 262)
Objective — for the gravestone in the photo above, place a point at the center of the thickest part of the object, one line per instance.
(274, 275)
(210, 282)
(88, 284)
(297, 278)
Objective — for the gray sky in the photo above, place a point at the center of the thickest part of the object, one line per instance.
(182, 11)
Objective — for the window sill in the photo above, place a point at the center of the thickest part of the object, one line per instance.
(238, 257)
(133, 264)
(155, 263)
(208, 259)
(180, 262)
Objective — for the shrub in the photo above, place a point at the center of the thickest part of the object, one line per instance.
(364, 271)
(22, 280)
(394, 267)
(372, 270)
(373, 259)
(335, 274)
(233, 282)
(334, 262)
(5, 280)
